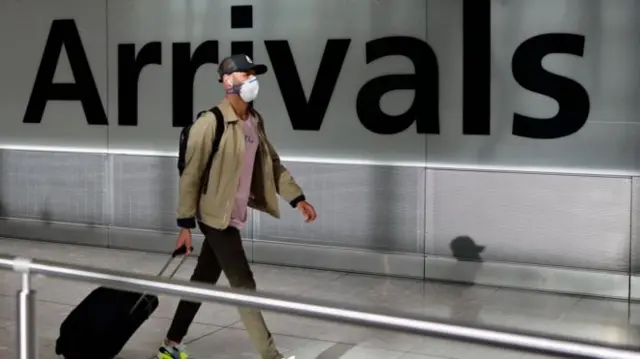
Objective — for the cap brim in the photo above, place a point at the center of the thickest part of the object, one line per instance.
(259, 69)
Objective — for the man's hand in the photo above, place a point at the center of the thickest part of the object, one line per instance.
(307, 210)
(184, 239)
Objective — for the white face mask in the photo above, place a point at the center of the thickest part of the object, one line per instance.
(248, 90)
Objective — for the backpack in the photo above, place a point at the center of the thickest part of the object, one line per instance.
(184, 139)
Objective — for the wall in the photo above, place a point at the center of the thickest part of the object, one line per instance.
(491, 142)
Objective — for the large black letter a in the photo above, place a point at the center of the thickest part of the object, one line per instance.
(424, 110)
(65, 33)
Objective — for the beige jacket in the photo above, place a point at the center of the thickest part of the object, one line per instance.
(214, 207)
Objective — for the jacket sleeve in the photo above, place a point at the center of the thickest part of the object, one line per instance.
(286, 185)
(199, 146)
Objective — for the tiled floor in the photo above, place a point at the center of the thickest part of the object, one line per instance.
(218, 333)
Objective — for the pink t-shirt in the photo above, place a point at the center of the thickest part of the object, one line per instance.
(251, 141)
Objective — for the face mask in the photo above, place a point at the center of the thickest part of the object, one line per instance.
(247, 90)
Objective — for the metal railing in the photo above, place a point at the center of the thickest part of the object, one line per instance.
(529, 342)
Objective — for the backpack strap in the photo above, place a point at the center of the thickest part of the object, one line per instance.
(219, 118)
(219, 128)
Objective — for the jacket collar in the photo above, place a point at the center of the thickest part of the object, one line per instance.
(227, 111)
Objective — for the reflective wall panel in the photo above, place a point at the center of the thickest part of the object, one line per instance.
(359, 107)
(145, 192)
(296, 41)
(54, 196)
(549, 232)
(634, 254)
(561, 78)
(569, 221)
(501, 84)
(366, 207)
(27, 119)
(53, 187)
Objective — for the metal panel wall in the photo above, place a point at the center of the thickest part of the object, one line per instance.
(53, 187)
(53, 196)
(537, 231)
(378, 219)
(558, 220)
(145, 191)
(634, 255)
(366, 207)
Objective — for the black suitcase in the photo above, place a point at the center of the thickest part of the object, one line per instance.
(100, 326)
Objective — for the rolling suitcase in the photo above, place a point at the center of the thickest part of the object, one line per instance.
(100, 326)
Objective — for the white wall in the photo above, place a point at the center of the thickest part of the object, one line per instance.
(602, 34)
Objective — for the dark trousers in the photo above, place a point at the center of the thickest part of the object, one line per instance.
(222, 251)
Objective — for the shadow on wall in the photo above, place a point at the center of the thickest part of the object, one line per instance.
(465, 248)
(467, 253)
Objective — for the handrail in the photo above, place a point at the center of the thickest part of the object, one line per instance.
(524, 341)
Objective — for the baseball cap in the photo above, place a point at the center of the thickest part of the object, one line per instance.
(239, 63)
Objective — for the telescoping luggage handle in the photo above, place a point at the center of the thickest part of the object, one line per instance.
(178, 252)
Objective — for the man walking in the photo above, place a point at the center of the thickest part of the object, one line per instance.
(245, 172)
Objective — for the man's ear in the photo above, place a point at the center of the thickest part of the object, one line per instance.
(225, 81)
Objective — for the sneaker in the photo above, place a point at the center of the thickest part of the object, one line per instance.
(172, 352)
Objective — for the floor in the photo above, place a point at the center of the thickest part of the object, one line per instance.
(218, 333)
